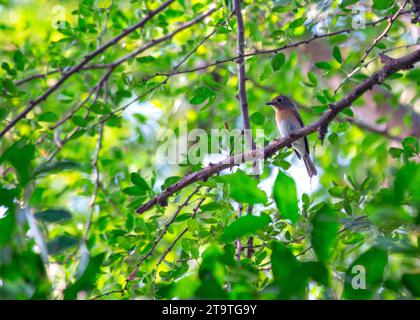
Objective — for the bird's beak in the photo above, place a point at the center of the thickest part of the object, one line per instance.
(269, 103)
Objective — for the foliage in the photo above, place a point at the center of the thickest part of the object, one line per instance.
(76, 168)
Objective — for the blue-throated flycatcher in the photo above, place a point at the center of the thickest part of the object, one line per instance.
(289, 120)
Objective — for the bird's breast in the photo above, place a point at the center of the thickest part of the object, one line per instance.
(286, 123)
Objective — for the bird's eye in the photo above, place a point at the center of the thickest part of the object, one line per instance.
(279, 99)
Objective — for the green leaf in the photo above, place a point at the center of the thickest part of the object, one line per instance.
(48, 117)
(285, 196)
(277, 61)
(324, 232)
(297, 22)
(87, 279)
(10, 86)
(317, 271)
(201, 94)
(410, 146)
(20, 156)
(139, 181)
(382, 4)
(312, 78)
(325, 65)
(288, 273)
(365, 274)
(61, 243)
(412, 283)
(346, 3)
(99, 107)
(223, 30)
(7, 221)
(19, 60)
(348, 112)
(134, 191)
(337, 54)
(79, 121)
(56, 166)
(395, 152)
(244, 188)
(10, 71)
(319, 109)
(169, 181)
(211, 273)
(257, 118)
(245, 225)
(53, 215)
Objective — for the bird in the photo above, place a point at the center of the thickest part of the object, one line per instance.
(288, 120)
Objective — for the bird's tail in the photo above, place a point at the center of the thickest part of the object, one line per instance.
(310, 167)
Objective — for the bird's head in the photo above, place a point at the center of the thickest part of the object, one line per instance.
(281, 102)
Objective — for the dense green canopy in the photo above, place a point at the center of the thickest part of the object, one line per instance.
(93, 93)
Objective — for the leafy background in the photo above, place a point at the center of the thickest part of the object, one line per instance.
(68, 192)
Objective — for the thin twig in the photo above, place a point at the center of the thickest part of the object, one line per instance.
(165, 229)
(158, 85)
(132, 275)
(238, 241)
(374, 43)
(72, 112)
(165, 253)
(277, 50)
(95, 166)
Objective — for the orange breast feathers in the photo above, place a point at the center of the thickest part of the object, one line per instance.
(285, 114)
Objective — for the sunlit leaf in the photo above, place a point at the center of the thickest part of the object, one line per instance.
(289, 274)
(53, 215)
(244, 225)
(277, 61)
(324, 232)
(365, 274)
(285, 196)
(244, 188)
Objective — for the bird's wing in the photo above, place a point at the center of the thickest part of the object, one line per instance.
(298, 117)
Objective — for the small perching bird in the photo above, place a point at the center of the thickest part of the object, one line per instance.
(289, 120)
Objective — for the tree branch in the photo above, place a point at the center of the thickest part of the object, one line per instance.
(358, 123)
(82, 64)
(374, 43)
(282, 48)
(155, 42)
(165, 253)
(165, 229)
(106, 117)
(242, 95)
(416, 10)
(378, 77)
